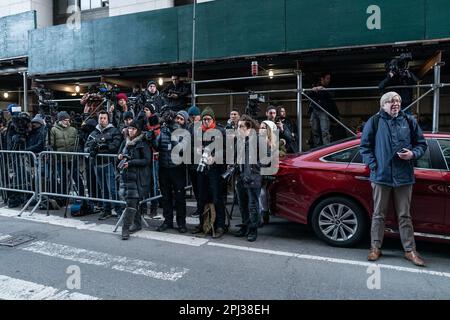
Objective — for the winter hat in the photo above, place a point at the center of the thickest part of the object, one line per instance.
(151, 82)
(184, 114)
(194, 111)
(271, 125)
(122, 96)
(38, 119)
(62, 115)
(128, 115)
(208, 112)
(137, 125)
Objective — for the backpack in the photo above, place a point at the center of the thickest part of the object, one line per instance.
(376, 120)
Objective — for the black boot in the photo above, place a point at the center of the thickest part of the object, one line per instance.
(242, 232)
(137, 224)
(128, 216)
(252, 234)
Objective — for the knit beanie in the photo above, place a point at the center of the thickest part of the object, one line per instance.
(208, 112)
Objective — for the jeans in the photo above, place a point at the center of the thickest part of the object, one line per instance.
(248, 199)
(173, 180)
(107, 184)
(320, 126)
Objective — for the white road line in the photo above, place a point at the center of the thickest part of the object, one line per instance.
(120, 263)
(331, 260)
(16, 289)
(105, 228)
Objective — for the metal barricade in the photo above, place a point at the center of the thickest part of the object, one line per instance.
(18, 177)
(78, 176)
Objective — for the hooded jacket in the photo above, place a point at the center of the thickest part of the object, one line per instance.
(135, 180)
(63, 139)
(379, 149)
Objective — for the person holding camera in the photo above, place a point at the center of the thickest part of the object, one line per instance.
(118, 111)
(91, 100)
(284, 132)
(391, 140)
(320, 121)
(37, 135)
(209, 172)
(233, 121)
(172, 177)
(105, 139)
(175, 94)
(398, 74)
(249, 179)
(151, 98)
(135, 175)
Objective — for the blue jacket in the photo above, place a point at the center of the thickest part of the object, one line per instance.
(379, 149)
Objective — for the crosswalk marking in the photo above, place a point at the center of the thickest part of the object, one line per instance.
(16, 289)
(120, 263)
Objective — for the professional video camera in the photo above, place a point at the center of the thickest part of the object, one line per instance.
(253, 101)
(98, 146)
(45, 100)
(19, 127)
(168, 116)
(109, 93)
(399, 66)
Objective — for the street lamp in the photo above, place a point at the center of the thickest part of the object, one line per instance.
(160, 81)
(6, 95)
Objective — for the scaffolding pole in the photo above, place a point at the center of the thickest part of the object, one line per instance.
(25, 91)
(436, 100)
(299, 110)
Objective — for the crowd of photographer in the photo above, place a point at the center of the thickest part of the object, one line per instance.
(129, 146)
(130, 139)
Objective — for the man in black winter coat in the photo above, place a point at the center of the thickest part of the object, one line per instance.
(105, 139)
(37, 136)
(152, 99)
(172, 177)
(175, 94)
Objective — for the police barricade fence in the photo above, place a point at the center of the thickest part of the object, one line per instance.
(66, 176)
(19, 181)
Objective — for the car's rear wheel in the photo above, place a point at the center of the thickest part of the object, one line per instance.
(339, 221)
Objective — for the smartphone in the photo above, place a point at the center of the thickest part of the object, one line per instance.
(403, 151)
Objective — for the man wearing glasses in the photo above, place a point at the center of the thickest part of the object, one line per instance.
(209, 179)
(390, 142)
(172, 177)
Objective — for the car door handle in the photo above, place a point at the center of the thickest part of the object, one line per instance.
(362, 178)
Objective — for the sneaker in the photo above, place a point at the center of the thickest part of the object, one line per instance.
(105, 215)
(163, 227)
(182, 229)
(197, 230)
(242, 232)
(219, 233)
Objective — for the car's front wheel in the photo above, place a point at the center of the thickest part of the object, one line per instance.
(339, 221)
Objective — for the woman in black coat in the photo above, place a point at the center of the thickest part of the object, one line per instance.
(135, 176)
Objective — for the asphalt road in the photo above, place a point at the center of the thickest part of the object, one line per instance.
(80, 258)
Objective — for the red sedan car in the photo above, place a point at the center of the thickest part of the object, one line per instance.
(329, 189)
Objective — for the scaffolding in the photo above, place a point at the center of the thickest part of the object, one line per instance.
(303, 92)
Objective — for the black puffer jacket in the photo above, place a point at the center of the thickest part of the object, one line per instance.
(135, 180)
(165, 145)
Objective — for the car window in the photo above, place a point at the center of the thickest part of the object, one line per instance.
(445, 146)
(342, 156)
(424, 162)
